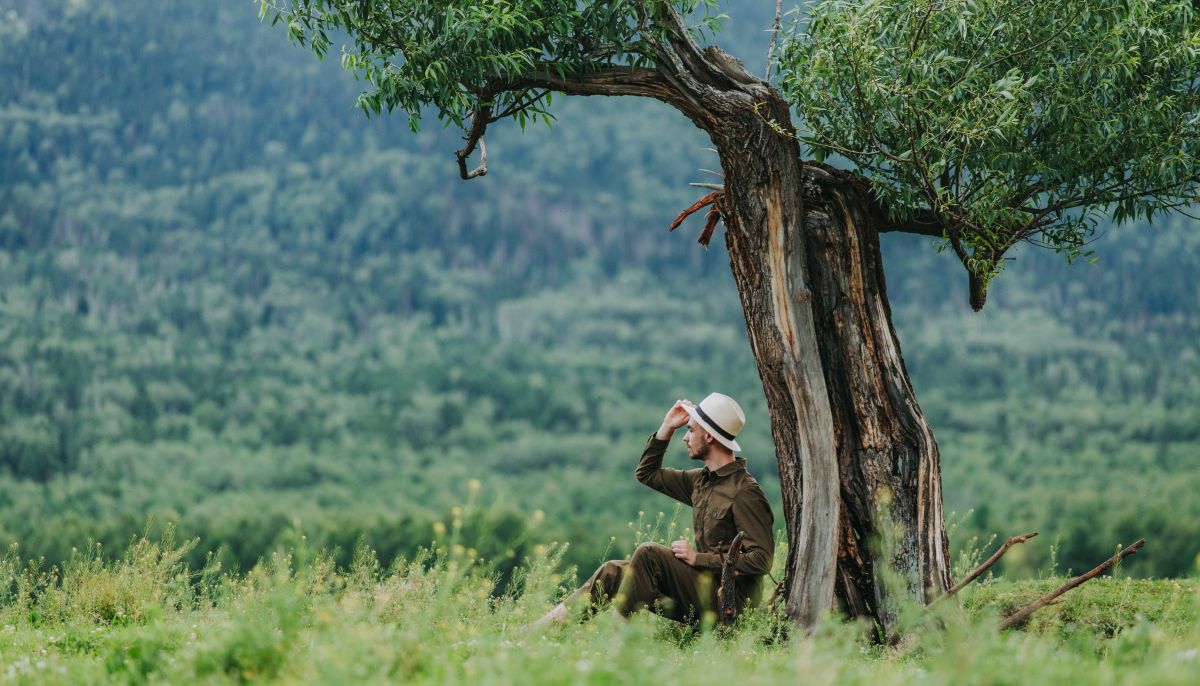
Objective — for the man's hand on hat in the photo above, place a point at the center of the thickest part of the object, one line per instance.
(683, 550)
(676, 417)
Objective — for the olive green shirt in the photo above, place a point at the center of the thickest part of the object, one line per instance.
(723, 502)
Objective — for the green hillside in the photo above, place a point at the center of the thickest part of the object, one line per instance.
(231, 302)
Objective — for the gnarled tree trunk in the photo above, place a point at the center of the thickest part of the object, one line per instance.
(852, 444)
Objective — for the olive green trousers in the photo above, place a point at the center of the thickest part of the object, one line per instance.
(653, 577)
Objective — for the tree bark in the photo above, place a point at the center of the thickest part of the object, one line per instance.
(856, 457)
(888, 460)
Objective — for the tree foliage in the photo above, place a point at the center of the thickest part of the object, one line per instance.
(999, 121)
(460, 56)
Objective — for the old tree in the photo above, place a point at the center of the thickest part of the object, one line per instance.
(984, 123)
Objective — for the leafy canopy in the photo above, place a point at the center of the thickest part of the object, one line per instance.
(456, 55)
(999, 121)
(988, 122)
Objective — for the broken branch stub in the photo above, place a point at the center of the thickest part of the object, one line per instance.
(708, 199)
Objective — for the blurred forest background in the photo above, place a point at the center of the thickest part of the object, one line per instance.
(231, 302)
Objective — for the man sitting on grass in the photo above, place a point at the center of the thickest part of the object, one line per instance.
(680, 582)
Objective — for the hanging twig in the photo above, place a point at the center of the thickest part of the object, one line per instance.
(479, 124)
(986, 565)
(1023, 614)
(774, 36)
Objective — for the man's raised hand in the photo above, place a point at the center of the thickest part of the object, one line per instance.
(676, 417)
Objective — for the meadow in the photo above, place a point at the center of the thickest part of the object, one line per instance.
(442, 618)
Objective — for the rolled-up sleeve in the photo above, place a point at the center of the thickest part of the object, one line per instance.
(752, 514)
(673, 482)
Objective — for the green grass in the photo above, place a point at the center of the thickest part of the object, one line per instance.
(439, 619)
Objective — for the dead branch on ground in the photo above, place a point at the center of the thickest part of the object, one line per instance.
(1020, 616)
(985, 566)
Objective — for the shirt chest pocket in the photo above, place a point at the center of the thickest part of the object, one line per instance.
(719, 524)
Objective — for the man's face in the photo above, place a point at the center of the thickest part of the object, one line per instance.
(697, 441)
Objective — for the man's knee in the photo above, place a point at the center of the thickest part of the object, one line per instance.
(609, 573)
(610, 569)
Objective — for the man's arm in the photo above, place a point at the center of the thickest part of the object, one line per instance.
(752, 514)
(673, 482)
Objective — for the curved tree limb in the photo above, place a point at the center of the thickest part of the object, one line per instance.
(1024, 613)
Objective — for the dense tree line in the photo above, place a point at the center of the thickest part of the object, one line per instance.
(229, 301)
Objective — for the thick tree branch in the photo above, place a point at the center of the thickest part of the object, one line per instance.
(921, 225)
(1024, 613)
(688, 53)
(605, 80)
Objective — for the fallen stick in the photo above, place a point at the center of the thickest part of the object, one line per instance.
(1024, 613)
(986, 565)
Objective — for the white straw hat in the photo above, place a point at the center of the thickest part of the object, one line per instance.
(721, 417)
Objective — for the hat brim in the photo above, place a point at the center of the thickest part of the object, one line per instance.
(732, 444)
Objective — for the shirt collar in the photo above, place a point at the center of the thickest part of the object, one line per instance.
(738, 465)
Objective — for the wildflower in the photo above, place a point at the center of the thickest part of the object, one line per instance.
(474, 486)
(538, 516)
